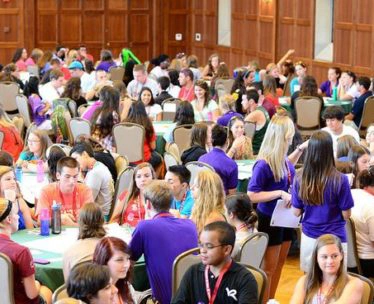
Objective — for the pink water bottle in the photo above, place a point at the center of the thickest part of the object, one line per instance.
(44, 221)
(40, 171)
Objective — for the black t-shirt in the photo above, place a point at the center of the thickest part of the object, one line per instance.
(238, 286)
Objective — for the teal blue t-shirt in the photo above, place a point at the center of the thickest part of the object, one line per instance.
(185, 207)
(28, 156)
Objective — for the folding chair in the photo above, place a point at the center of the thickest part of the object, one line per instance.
(367, 115)
(353, 260)
(253, 250)
(116, 73)
(24, 109)
(195, 167)
(182, 136)
(169, 108)
(79, 126)
(6, 279)
(60, 293)
(308, 111)
(368, 293)
(8, 92)
(261, 280)
(129, 138)
(170, 160)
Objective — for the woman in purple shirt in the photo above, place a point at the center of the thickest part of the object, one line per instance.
(271, 180)
(322, 195)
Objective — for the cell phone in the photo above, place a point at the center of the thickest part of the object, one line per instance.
(41, 261)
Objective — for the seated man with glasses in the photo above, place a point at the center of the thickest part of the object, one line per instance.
(66, 191)
(217, 279)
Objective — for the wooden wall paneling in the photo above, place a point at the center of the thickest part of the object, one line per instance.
(46, 36)
(70, 27)
(29, 25)
(93, 4)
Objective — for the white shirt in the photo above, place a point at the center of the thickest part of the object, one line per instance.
(88, 81)
(173, 90)
(153, 111)
(347, 130)
(363, 217)
(48, 92)
(158, 72)
(135, 87)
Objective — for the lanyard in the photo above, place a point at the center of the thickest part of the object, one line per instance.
(162, 214)
(182, 202)
(288, 177)
(211, 297)
(319, 295)
(74, 199)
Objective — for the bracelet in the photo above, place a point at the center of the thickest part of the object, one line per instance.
(299, 149)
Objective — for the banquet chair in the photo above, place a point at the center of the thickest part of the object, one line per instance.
(368, 292)
(81, 109)
(60, 293)
(79, 126)
(182, 136)
(33, 70)
(353, 260)
(116, 73)
(169, 108)
(223, 86)
(195, 167)
(64, 148)
(170, 160)
(1, 139)
(6, 279)
(121, 163)
(308, 111)
(261, 280)
(24, 109)
(181, 264)
(253, 250)
(249, 129)
(367, 115)
(129, 138)
(8, 92)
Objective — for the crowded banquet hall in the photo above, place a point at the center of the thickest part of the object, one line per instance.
(202, 151)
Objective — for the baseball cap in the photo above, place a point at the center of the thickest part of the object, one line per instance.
(76, 65)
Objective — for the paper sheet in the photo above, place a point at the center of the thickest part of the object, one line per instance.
(284, 217)
(245, 171)
(120, 232)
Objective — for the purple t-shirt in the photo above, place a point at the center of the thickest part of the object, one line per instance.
(326, 88)
(161, 240)
(225, 118)
(263, 180)
(105, 66)
(36, 106)
(326, 218)
(91, 110)
(225, 167)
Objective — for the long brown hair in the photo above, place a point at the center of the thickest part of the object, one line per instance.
(104, 251)
(319, 169)
(135, 190)
(91, 222)
(314, 277)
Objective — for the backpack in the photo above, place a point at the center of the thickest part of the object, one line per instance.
(60, 127)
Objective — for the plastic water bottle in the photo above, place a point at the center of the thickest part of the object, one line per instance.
(19, 173)
(44, 222)
(56, 218)
(335, 93)
(40, 171)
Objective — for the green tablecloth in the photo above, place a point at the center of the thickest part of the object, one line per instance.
(160, 128)
(345, 104)
(51, 275)
(245, 173)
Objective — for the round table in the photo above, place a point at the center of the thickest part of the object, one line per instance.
(245, 167)
(328, 102)
(52, 247)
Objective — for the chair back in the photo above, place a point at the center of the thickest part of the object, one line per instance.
(181, 264)
(33, 70)
(249, 129)
(117, 73)
(64, 148)
(182, 136)
(253, 250)
(79, 126)
(308, 111)
(367, 115)
(170, 160)
(24, 109)
(60, 293)
(121, 163)
(31, 128)
(81, 109)
(169, 108)
(261, 280)
(6, 279)
(129, 138)
(223, 86)
(195, 167)
(368, 292)
(8, 92)
(353, 260)
(72, 105)
(1, 139)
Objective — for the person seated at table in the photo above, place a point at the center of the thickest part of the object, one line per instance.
(130, 207)
(301, 72)
(308, 88)
(163, 85)
(334, 117)
(101, 80)
(153, 110)
(227, 107)
(344, 144)
(332, 82)
(210, 70)
(233, 282)
(35, 150)
(226, 168)
(256, 114)
(141, 79)
(55, 153)
(369, 140)
(186, 81)
(115, 253)
(6, 159)
(359, 158)
(105, 117)
(106, 61)
(288, 71)
(347, 89)
(198, 144)
(358, 106)
(10, 73)
(209, 195)
(241, 215)
(363, 217)
(96, 176)
(66, 191)
(184, 115)
(91, 231)
(205, 109)
(161, 239)
(10, 190)
(327, 280)
(178, 177)
(138, 115)
(270, 90)
(92, 284)
(193, 65)
(12, 140)
(26, 289)
(73, 90)
(240, 145)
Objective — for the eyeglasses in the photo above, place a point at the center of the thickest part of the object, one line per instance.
(209, 246)
(33, 141)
